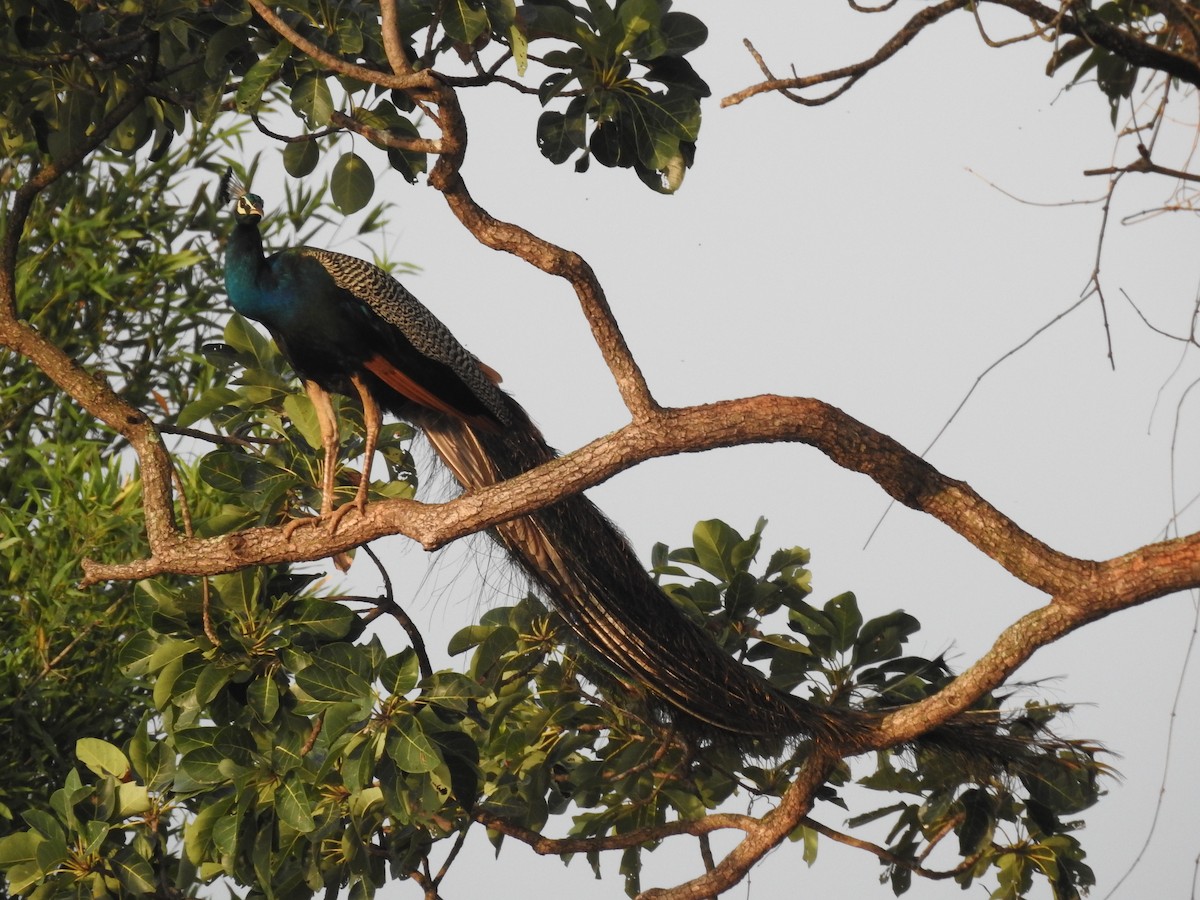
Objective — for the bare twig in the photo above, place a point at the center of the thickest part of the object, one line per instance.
(1144, 165)
(210, 437)
(387, 605)
(851, 74)
(888, 856)
(290, 139)
(547, 846)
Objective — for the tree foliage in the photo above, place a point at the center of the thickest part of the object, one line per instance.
(247, 730)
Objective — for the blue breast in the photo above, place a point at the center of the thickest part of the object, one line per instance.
(271, 291)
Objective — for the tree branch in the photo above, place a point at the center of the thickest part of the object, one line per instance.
(550, 258)
(547, 846)
(850, 74)
(91, 392)
(413, 81)
(770, 831)
(1067, 18)
(888, 856)
(764, 419)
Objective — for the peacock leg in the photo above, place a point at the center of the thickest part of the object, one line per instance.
(372, 421)
(327, 420)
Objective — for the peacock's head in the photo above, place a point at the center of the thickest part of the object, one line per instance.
(248, 209)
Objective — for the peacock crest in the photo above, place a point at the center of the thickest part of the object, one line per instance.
(248, 206)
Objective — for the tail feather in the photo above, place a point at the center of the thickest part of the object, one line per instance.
(593, 577)
(595, 580)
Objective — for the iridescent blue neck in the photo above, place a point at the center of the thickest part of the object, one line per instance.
(245, 267)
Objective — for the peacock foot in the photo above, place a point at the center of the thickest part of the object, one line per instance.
(335, 517)
(329, 519)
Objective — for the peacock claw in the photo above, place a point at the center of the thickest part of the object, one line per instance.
(290, 528)
(335, 517)
(330, 518)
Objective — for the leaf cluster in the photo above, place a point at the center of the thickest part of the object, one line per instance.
(1115, 64)
(112, 272)
(622, 69)
(634, 98)
(291, 756)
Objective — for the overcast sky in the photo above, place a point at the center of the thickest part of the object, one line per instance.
(858, 254)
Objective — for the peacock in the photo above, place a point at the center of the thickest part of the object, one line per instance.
(347, 327)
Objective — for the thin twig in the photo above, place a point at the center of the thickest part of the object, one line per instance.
(849, 74)
(210, 437)
(313, 734)
(888, 856)
(387, 604)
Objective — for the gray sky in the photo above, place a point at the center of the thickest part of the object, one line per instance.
(848, 253)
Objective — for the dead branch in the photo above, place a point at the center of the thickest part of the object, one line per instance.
(849, 74)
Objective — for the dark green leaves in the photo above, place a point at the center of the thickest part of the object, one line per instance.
(299, 750)
(260, 75)
(312, 100)
(351, 183)
(338, 673)
(615, 54)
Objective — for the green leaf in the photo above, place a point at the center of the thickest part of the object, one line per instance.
(978, 823)
(204, 766)
(300, 158)
(262, 73)
(250, 477)
(559, 135)
(312, 100)
(722, 551)
(19, 854)
(245, 338)
(520, 48)
(101, 757)
(351, 184)
(198, 833)
(134, 872)
(132, 799)
(299, 409)
(324, 619)
(400, 673)
(638, 21)
(220, 47)
(410, 747)
(464, 21)
(210, 401)
(488, 663)
(169, 650)
(294, 805)
(337, 674)
(883, 637)
(683, 32)
(843, 613)
(466, 638)
(209, 682)
(461, 754)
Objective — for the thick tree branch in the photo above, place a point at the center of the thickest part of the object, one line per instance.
(492, 232)
(1081, 21)
(91, 392)
(1082, 590)
(764, 419)
(411, 81)
(550, 258)
(771, 830)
